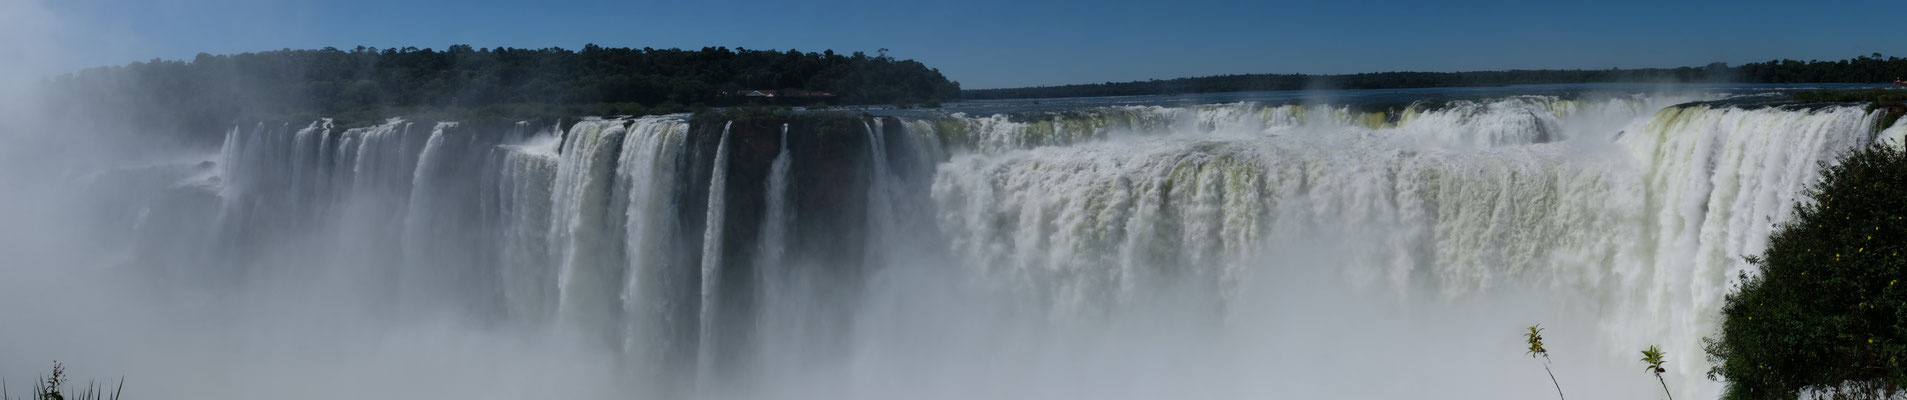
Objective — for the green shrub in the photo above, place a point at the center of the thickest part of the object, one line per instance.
(1828, 309)
(54, 387)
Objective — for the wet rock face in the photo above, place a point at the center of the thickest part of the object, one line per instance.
(828, 180)
(828, 183)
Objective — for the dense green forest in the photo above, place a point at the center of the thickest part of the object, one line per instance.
(211, 92)
(1871, 68)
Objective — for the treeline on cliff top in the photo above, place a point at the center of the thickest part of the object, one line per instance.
(1870, 68)
(213, 92)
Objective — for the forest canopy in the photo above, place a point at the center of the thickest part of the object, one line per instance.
(215, 91)
(1870, 68)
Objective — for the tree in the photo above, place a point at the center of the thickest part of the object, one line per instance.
(1826, 312)
(1860, 69)
(210, 93)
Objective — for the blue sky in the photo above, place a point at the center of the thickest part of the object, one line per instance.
(992, 43)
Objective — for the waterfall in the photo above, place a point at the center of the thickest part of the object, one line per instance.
(776, 221)
(1715, 183)
(647, 177)
(525, 187)
(443, 218)
(1650, 229)
(880, 186)
(712, 258)
(582, 229)
(999, 251)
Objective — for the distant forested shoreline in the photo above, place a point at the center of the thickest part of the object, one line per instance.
(1870, 68)
(213, 92)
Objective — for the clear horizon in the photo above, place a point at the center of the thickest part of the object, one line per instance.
(996, 44)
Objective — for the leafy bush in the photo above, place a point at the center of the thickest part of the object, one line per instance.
(1829, 308)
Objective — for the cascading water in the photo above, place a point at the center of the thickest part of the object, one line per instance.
(583, 235)
(711, 281)
(777, 217)
(880, 189)
(647, 177)
(1139, 251)
(528, 174)
(1649, 230)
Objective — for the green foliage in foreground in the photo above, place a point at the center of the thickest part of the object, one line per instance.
(1535, 339)
(1829, 307)
(1652, 363)
(54, 388)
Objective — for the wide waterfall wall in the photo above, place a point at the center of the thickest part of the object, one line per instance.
(640, 232)
(1647, 232)
(722, 256)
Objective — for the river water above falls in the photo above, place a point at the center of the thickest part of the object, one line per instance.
(1329, 247)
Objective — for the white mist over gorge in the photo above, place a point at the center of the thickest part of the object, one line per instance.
(1251, 249)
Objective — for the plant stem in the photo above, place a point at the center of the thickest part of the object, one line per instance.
(1665, 386)
(1552, 379)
